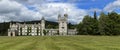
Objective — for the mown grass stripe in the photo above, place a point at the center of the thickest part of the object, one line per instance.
(60, 43)
(10, 44)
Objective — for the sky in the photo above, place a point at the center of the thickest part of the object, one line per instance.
(29, 10)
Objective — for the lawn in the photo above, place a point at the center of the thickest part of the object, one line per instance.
(60, 43)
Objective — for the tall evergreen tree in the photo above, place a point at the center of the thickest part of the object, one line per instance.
(95, 15)
(95, 24)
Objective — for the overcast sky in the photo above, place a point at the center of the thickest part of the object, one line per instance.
(27, 10)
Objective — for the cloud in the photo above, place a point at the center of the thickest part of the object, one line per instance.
(48, 1)
(112, 6)
(19, 10)
(12, 10)
(51, 10)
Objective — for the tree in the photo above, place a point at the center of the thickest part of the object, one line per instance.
(106, 25)
(95, 15)
(114, 24)
(85, 26)
(94, 24)
(109, 24)
(89, 26)
(103, 24)
(80, 29)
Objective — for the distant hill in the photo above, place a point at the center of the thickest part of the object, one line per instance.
(49, 24)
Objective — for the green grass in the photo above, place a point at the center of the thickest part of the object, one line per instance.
(60, 43)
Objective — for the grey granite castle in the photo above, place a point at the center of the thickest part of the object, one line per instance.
(40, 30)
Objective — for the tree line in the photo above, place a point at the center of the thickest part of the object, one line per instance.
(106, 24)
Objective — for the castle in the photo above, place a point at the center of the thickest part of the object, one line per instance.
(40, 30)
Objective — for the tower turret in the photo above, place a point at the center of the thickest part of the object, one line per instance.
(42, 25)
(63, 25)
(66, 15)
(59, 16)
(10, 24)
